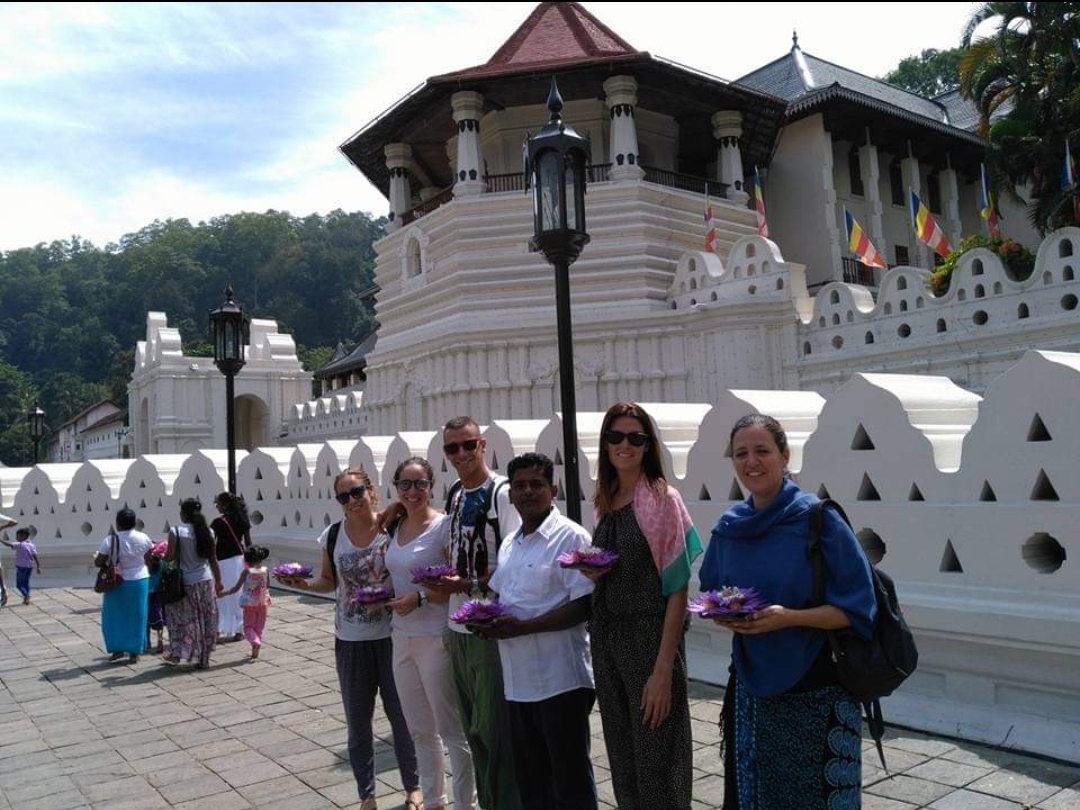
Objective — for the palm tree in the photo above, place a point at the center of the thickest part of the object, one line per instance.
(1025, 82)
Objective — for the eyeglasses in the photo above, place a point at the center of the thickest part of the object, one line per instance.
(617, 437)
(355, 492)
(468, 446)
(405, 484)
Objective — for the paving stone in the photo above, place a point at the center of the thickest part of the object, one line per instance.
(1067, 799)
(909, 789)
(1017, 787)
(948, 772)
(970, 800)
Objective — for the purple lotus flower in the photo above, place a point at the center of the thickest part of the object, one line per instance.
(479, 611)
(372, 595)
(589, 558)
(731, 603)
(431, 573)
(291, 570)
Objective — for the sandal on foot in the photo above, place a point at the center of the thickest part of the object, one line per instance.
(368, 804)
(414, 800)
(116, 656)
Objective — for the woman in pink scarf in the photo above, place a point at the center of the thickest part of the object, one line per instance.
(639, 616)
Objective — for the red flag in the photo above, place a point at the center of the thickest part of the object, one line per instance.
(710, 226)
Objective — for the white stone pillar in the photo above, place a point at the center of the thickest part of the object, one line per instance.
(727, 129)
(871, 176)
(909, 170)
(621, 99)
(399, 164)
(950, 206)
(468, 108)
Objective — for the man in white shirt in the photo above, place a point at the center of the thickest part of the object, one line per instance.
(544, 645)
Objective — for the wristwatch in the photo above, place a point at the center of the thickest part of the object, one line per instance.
(421, 598)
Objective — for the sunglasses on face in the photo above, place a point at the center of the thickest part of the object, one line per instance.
(468, 446)
(405, 484)
(355, 492)
(636, 439)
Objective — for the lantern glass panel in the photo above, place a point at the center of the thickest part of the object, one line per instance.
(547, 188)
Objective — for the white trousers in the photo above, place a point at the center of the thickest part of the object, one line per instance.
(230, 615)
(426, 691)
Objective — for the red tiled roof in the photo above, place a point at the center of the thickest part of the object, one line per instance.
(554, 33)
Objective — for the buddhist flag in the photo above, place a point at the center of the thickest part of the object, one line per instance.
(986, 206)
(759, 205)
(1068, 180)
(859, 243)
(926, 227)
(710, 226)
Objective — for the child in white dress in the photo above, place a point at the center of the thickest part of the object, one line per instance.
(255, 598)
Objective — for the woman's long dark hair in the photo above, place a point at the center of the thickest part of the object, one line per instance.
(191, 512)
(652, 464)
(234, 508)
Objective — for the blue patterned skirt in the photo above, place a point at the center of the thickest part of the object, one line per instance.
(801, 750)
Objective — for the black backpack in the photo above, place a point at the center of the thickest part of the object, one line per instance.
(872, 669)
(331, 542)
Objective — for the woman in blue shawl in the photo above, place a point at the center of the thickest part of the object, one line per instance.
(792, 733)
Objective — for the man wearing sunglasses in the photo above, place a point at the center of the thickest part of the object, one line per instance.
(480, 516)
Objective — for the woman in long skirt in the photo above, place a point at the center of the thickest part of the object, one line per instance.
(193, 620)
(123, 609)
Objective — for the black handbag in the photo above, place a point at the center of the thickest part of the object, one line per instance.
(171, 587)
(108, 576)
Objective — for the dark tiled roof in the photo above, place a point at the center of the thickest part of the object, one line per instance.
(962, 113)
(356, 359)
(798, 73)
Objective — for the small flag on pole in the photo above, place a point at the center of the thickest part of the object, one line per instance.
(710, 226)
(759, 205)
(926, 227)
(1068, 180)
(859, 243)
(986, 206)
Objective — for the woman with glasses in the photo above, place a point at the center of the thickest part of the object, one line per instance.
(354, 557)
(421, 657)
(639, 616)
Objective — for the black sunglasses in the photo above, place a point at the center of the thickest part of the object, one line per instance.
(617, 436)
(405, 484)
(356, 492)
(468, 446)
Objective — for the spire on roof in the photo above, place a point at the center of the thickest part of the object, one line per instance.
(795, 40)
(800, 62)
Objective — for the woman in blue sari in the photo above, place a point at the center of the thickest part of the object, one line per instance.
(124, 609)
(791, 733)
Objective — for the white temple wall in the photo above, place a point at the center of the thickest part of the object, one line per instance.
(971, 502)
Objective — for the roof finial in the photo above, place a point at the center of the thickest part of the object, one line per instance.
(795, 40)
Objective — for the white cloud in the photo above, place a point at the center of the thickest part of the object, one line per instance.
(117, 114)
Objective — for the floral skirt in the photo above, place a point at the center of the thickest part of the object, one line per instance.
(192, 623)
(795, 751)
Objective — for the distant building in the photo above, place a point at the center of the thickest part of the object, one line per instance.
(95, 432)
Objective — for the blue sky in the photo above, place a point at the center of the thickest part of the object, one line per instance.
(116, 114)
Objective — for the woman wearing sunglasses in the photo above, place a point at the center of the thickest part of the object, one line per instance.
(363, 651)
(421, 656)
(639, 616)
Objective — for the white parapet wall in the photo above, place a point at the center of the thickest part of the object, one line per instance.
(971, 503)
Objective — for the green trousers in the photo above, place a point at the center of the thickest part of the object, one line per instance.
(478, 681)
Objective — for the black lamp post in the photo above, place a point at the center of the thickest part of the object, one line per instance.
(229, 332)
(557, 161)
(36, 419)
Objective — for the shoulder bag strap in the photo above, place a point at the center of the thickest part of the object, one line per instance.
(232, 531)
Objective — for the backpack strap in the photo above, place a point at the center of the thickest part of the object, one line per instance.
(331, 544)
(493, 510)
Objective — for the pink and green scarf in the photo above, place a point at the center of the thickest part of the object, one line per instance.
(672, 538)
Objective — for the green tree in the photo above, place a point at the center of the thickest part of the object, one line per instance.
(1025, 81)
(929, 74)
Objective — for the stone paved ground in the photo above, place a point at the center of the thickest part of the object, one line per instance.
(79, 732)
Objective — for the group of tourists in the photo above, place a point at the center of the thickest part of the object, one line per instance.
(509, 698)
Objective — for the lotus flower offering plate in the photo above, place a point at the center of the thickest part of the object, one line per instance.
(479, 611)
(291, 570)
(729, 603)
(595, 559)
(432, 573)
(372, 595)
